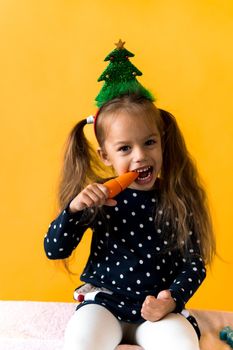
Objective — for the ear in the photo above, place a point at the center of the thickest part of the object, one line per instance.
(104, 157)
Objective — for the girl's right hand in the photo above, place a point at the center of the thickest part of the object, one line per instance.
(93, 195)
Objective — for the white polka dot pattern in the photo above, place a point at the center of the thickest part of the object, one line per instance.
(129, 253)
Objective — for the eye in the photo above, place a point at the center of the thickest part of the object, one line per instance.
(150, 142)
(125, 148)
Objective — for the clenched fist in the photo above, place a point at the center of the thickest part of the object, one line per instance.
(153, 309)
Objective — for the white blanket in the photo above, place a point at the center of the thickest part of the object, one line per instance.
(28, 325)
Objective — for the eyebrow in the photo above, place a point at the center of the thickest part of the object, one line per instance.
(124, 142)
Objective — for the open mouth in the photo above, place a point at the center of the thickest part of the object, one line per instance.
(145, 174)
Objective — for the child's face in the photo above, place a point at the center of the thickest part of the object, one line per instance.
(133, 143)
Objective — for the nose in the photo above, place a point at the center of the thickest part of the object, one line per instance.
(139, 154)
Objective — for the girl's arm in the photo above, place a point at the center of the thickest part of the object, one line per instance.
(66, 231)
(188, 280)
(64, 234)
(191, 276)
(180, 291)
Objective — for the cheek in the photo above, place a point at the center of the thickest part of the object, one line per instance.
(121, 165)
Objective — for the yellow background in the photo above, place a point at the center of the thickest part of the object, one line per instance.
(51, 54)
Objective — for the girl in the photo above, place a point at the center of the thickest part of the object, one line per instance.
(150, 243)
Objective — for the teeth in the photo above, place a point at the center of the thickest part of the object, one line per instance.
(142, 170)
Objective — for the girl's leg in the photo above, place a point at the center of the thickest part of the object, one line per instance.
(172, 332)
(92, 327)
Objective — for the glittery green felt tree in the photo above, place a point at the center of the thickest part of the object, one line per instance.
(120, 77)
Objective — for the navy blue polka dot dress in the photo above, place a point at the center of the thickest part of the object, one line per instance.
(129, 255)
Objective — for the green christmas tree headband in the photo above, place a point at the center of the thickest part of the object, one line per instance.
(119, 79)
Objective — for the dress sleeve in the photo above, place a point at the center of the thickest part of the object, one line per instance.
(64, 234)
(191, 275)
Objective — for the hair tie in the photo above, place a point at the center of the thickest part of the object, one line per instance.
(90, 119)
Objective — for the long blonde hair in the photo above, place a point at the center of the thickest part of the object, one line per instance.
(183, 200)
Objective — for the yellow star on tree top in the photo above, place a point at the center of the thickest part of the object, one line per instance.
(120, 44)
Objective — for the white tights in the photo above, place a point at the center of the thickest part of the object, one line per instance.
(93, 327)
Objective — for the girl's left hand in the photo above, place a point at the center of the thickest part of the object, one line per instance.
(153, 309)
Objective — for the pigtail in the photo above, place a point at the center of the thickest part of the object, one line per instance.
(177, 161)
(182, 194)
(80, 165)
